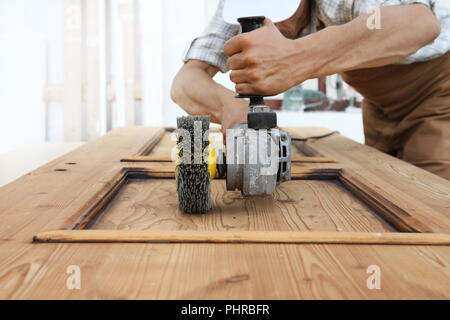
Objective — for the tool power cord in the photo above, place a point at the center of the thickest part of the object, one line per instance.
(314, 137)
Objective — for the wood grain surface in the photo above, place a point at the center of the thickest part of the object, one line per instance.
(307, 205)
(233, 236)
(425, 196)
(53, 197)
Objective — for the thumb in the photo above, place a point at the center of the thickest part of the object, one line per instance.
(224, 135)
(268, 23)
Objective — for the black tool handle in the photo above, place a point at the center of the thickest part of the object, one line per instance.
(256, 120)
(249, 24)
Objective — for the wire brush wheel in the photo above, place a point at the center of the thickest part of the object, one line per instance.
(192, 173)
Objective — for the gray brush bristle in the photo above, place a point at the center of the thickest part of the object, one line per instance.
(193, 179)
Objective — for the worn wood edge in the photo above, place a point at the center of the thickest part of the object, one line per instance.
(115, 185)
(83, 218)
(101, 201)
(303, 146)
(313, 156)
(389, 211)
(415, 215)
(146, 159)
(168, 171)
(104, 197)
(307, 150)
(313, 160)
(384, 208)
(168, 159)
(151, 143)
(155, 236)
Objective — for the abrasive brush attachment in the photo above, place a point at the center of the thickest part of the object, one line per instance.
(192, 173)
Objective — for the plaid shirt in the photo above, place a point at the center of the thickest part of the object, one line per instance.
(209, 46)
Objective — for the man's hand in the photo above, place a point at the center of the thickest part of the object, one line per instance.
(265, 62)
(262, 61)
(234, 111)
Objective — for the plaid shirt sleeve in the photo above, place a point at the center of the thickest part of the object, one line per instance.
(441, 45)
(209, 46)
(337, 12)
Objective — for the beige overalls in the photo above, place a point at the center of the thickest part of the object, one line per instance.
(406, 111)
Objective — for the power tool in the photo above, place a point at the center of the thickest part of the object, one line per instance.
(257, 157)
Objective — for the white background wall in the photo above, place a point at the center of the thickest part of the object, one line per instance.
(32, 55)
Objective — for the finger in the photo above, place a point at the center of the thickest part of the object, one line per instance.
(267, 23)
(253, 88)
(239, 76)
(244, 88)
(236, 62)
(224, 135)
(233, 46)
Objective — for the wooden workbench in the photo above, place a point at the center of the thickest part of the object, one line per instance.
(102, 207)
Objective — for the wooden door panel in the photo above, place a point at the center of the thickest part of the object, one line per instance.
(314, 238)
(303, 205)
(325, 197)
(423, 196)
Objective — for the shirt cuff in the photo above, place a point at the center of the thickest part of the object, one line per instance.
(201, 49)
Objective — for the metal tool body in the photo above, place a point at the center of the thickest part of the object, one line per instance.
(258, 156)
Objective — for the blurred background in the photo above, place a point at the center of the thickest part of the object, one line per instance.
(71, 70)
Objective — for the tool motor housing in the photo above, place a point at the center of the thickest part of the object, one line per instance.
(257, 160)
(258, 155)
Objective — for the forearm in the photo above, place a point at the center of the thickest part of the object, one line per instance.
(405, 29)
(195, 91)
